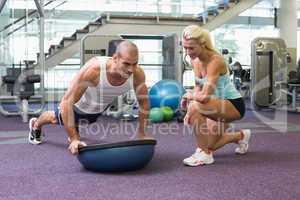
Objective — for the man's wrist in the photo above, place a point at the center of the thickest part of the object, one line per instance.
(74, 137)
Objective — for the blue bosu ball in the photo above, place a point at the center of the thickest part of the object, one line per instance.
(117, 157)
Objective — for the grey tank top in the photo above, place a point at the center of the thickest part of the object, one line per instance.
(97, 99)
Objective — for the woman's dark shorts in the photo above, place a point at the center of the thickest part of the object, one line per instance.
(239, 104)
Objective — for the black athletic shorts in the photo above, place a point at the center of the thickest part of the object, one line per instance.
(239, 104)
(78, 115)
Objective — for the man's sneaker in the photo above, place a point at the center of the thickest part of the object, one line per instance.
(34, 136)
(243, 144)
(199, 158)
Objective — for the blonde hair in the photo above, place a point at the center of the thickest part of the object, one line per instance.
(199, 34)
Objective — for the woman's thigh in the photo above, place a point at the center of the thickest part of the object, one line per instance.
(215, 109)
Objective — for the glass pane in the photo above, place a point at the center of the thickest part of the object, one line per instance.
(229, 36)
(152, 75)
(150, 59)
(59, 79)
(262, 9)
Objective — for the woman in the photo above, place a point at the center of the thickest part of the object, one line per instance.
(214, 101)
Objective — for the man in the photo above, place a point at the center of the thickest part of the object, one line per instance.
(92, 90)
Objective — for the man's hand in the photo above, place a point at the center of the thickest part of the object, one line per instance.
(74, 145)
(143, 136)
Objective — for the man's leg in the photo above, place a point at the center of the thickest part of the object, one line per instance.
(35, 126)
(47, 117)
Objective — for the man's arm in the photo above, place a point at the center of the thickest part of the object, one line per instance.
(141, 92)
(87, 76)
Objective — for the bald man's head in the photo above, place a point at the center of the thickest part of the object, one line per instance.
(125, 58)
(127, 48)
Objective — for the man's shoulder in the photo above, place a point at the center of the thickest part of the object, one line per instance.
(91, 70)
(139, 75)
(139, 70)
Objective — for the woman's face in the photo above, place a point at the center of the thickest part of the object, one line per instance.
(191, 47)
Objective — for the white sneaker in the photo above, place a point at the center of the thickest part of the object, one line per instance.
(34, 136)
(244, 143)
(199, 158)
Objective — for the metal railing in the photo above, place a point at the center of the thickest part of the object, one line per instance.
(23, 21)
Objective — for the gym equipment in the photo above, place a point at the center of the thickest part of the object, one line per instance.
(156, 115)
(241, 78)
(117, 157)
(112, 46)
(172, 58)
(166, 93)
(20, 84)
(269, 84)
(225, 51)
(180, 115)
(268, 72)
(96, 45)
(293, 87)
(167, 113)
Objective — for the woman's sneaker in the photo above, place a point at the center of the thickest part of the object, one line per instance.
(243, 144)
(199, 158)
(34, 136)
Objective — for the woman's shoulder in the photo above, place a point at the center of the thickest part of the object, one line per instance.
(198, 68)
(219, 60)
(217, 63)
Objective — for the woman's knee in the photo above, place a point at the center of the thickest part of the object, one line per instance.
(194, 107)
(193, 115)
(197, 119)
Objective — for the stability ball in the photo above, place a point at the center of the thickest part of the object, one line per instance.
(167, 113)
(156, 115)
(117, 157)
(166, 93)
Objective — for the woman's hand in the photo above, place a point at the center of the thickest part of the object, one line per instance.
(193, 96)
(200, 97)
(185, 100)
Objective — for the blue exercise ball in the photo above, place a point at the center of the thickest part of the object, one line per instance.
(166, 93)
(117, 157)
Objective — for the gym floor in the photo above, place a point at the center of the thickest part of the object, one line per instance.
(270, 170)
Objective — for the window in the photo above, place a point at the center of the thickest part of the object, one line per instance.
(150, 58)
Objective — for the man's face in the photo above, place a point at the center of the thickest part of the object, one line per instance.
(125, 64)
(191, 47)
